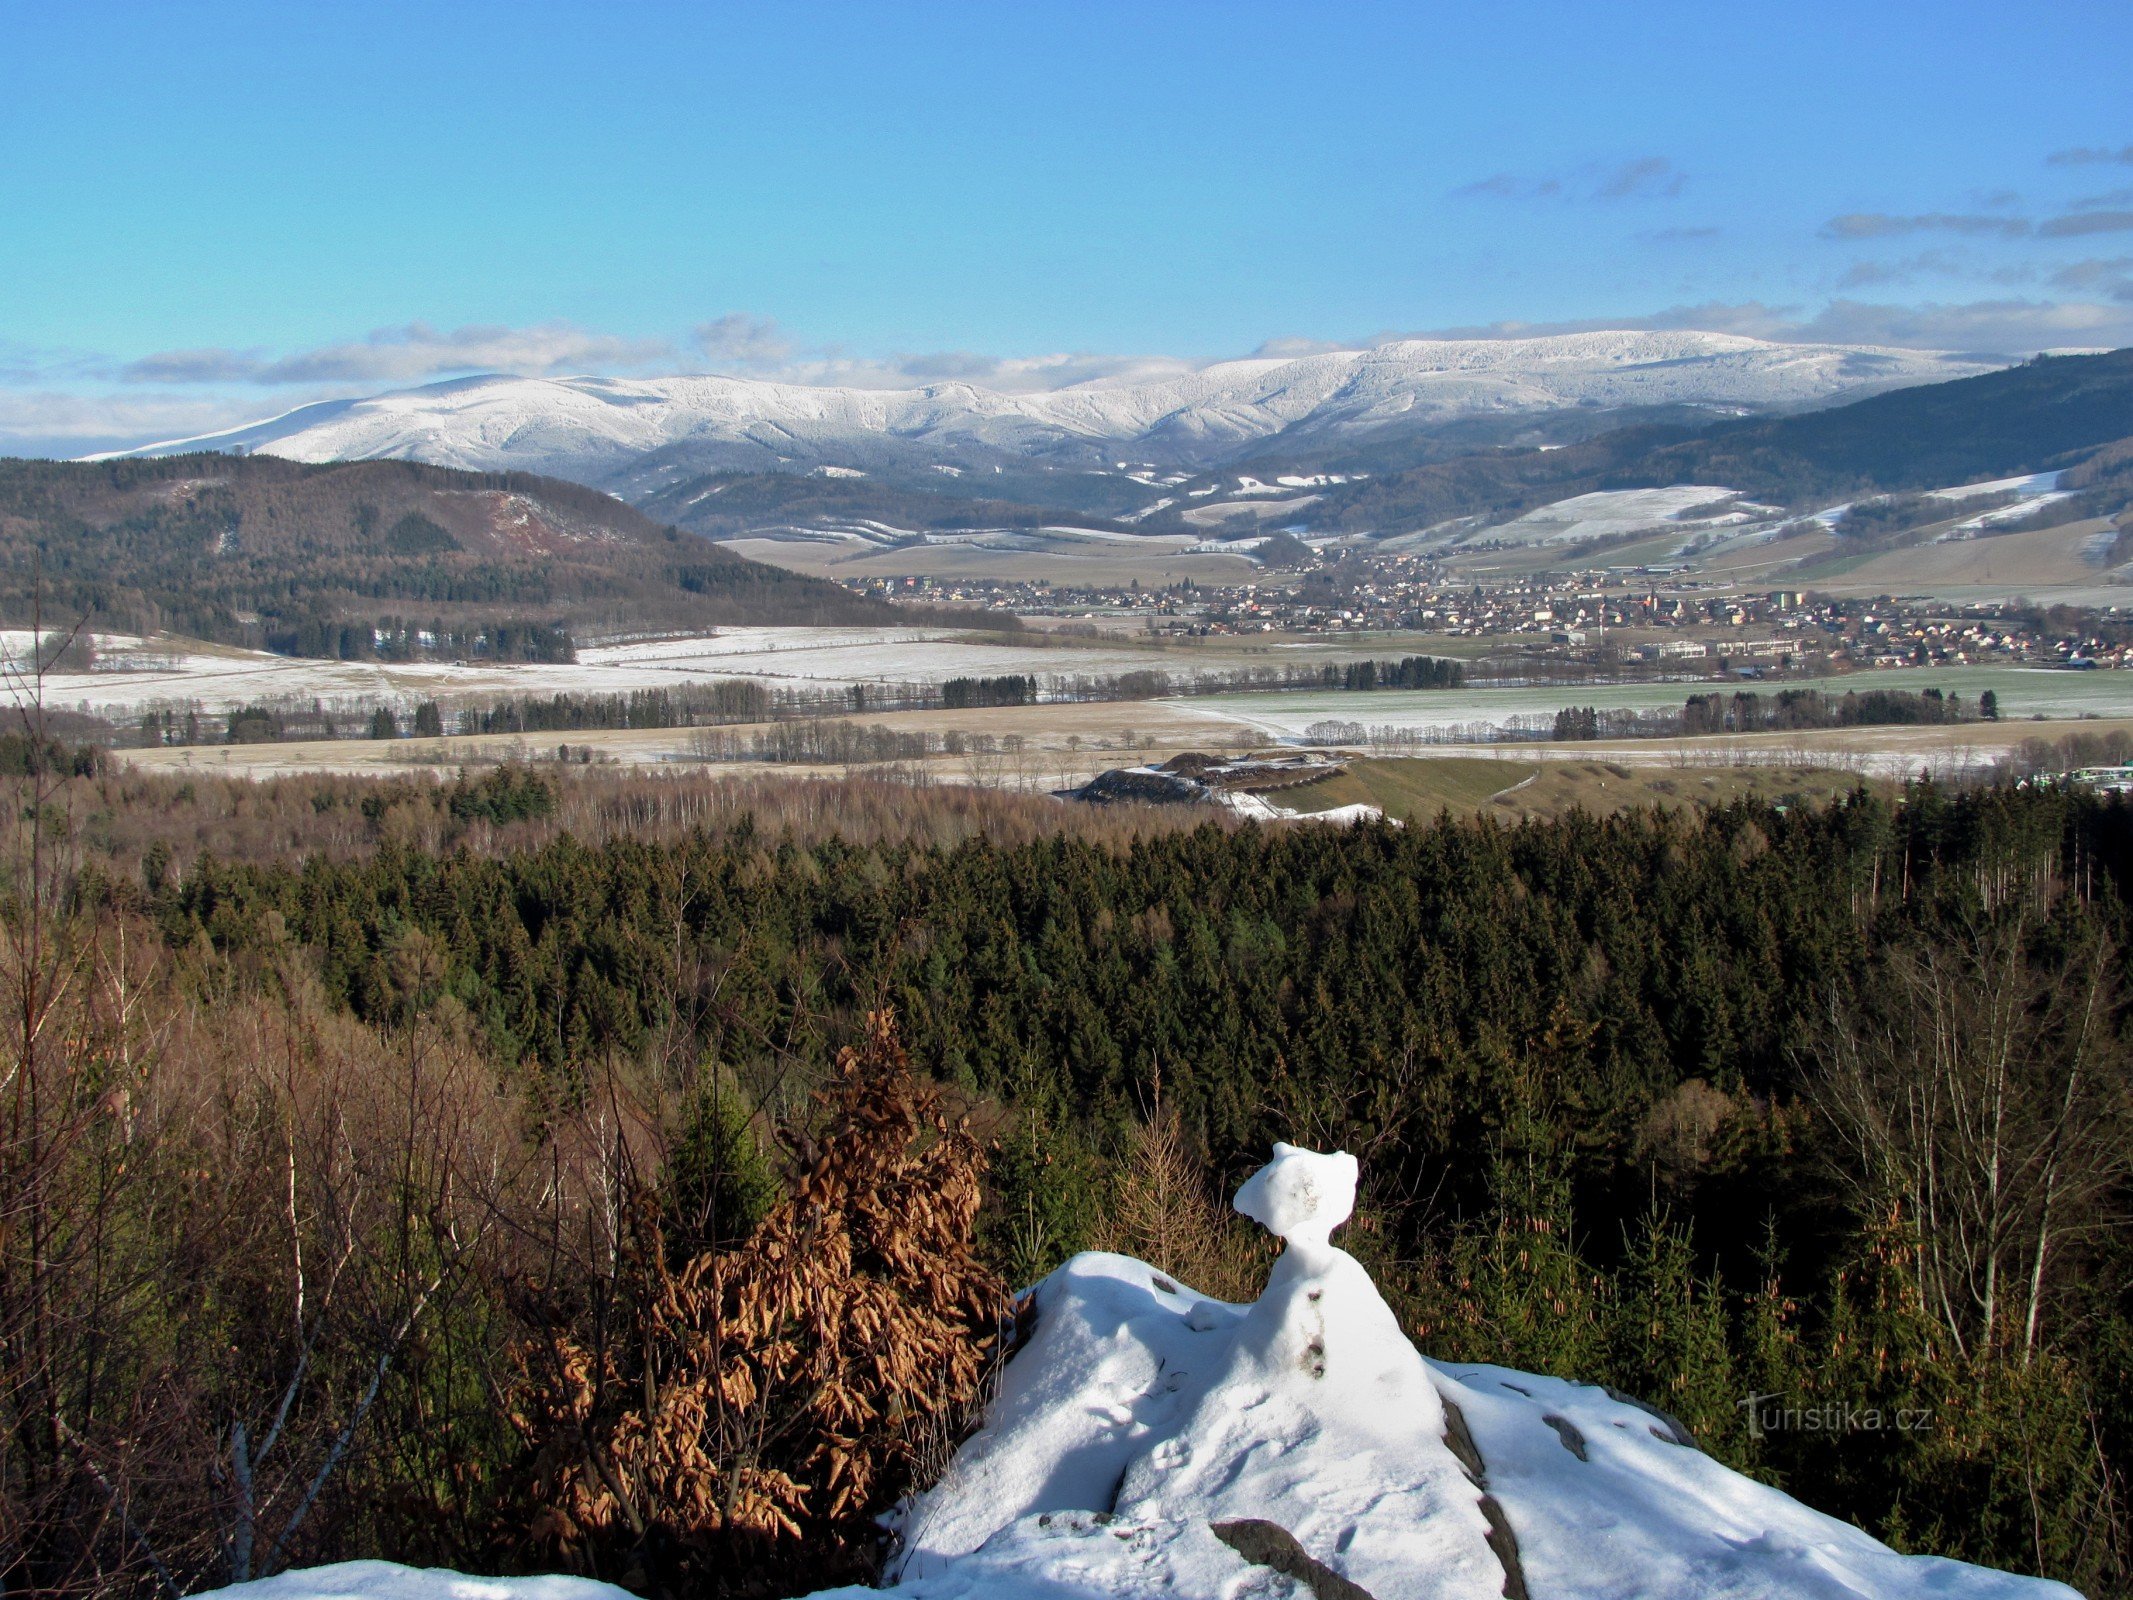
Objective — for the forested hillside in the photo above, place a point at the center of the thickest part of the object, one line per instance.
(310, 560)
(724, 505)
(539, 1063)
(2045, 414)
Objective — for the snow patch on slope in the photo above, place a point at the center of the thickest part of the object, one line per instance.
(1608, 512)
(387, 1580)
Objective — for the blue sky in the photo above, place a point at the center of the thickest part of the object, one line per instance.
(212, 212)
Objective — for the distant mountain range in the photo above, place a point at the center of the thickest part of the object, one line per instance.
(1442, 435)
(639, 437)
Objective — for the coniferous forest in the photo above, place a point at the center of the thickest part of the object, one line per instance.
(634, 1176)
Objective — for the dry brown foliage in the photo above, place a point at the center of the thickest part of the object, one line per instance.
(748, 1411)
(276, 819)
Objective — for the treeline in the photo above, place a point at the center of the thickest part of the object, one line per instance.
(2070, 752)
(1787, 711)
(817, 742)
(723, 505)
(1409, 672)
(2101, 486)
(1014, 689)
(1630, 1095)
(683, 706)
(740, 700)
(1881, 520)
(393, 638)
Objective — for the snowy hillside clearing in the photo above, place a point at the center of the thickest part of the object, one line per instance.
(1610, 512)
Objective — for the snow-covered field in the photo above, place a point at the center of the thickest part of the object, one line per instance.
(1709, 521)
(2029, 483)
(1152, 1441)
(860, 655)
(2023, 692)
(1891, 752)
(135, 674)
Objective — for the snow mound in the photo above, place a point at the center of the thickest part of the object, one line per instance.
(1347, 816)
(1147, 1438)
(1300, 1195)
(387, 1580)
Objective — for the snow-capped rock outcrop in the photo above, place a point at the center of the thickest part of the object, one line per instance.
(1148, 1438)
(1150, 1441)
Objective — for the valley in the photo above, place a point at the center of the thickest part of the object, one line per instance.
(1057, 802)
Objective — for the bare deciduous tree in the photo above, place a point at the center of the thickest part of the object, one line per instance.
(1983, 1096)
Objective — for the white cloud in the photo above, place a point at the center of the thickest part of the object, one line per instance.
(1884, 225)
(2111, 275)
(1290, 346)
(1653, 176)
(1867, 274)
(2092, 155)
(743, 339)
(45, 422)
(2083, 224)
(1990, 327)
(1751, 318)
(410, 354)
(1998, 327)
(1006, 374)
(1645, 178)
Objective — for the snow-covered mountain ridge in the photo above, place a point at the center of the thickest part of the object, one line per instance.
(636, 434)
(1148, 1441)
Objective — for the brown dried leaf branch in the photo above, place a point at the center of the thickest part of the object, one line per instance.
(755, 1407)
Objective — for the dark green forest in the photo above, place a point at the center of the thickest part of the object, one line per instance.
(1665, 1101)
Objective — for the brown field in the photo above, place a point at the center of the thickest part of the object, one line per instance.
(2048, 564)
(2043, 560)
(1422, 788)
(1076, 562)
(1884, 752)
(1062, 746)
(1410, 787)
